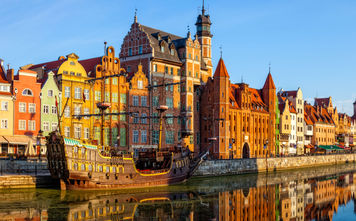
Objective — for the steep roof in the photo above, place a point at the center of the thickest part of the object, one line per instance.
(256, 99)
(2, 75)
(220, 70)
(49, 66)
(289, 93)
(269, 84)
(89, 65)
(292, 109)
(318, 114)
(324, 102)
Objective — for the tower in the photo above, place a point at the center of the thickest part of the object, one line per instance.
(221, 109)
(204, 36)
(355, 109)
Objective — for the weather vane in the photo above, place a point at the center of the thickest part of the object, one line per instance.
(220, 51)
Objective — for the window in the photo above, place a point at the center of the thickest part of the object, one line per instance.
(107, 81)
(169, 102)
(135, 136)
(4, 88)
(97, 95)
(130, 51)
(122, 117)
(72, 72)
(128, 68)
(54, 109)
(114, 97)
(114, 81)
(66, 92)
(67, 131)
(86, 111)
(32, 125)
(107, 96)
(122, 137)
(155, 101)
(144, 101)
(139, 84)
(4, 105)
(172, 51)
(86, 133)
(162, 48)
(22, 125)
(169, 118)
(22, 107)
(135, 101)
(154, 68)
(143, 136)
(144, 118)
(77, 132)
(67, 112)
(123, 98)
(50, 93)
(79, 74)
(77, 110)
(77, 93)
(45, 109)
(54, 126)
(166, 70)
(136, 119)
(45, 126)
(155, 118)
(86, 94)
(155, 136)
(140, 49)
(27, 92)
(4, 124)
(169, 137)
(32, 108)
(171, 71)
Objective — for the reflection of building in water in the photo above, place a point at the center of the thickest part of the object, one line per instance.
(248, 204)
(29, 214)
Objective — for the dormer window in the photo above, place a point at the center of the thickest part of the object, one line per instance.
(159, 37)
(72, 63)
(172, 51)
(162, 48)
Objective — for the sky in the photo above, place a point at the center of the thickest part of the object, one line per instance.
(309, 44)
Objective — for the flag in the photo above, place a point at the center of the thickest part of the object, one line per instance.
(84, 98)
(56, 102)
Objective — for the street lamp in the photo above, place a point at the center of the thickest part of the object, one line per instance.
(38, 140)
(265, 146)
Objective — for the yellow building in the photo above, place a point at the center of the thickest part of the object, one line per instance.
(284, 125)
(75, 98)
(6, 105)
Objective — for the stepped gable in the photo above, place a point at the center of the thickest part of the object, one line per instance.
(269, 84)
(158, 37)
(220, 70)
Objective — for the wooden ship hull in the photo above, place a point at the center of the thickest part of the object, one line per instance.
(83, 166)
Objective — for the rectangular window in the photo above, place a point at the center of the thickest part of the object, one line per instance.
(155, 118)
(154, 68)
(107, 81)
(32, 108)
(22, 107)
(166, 70)
(66, 92)
(155, 136)
(97, 95)
(45, 126)
(135, 101)
(144, 101)
(155, 101)
(22, 125)
(67, 112)
(45, 109)
(77, 93)
(122, 116)
(130, 51)
(54, 126)
(67, 131)
(171, 71)
(143, 136)
(32, 125)
(114, 81)
(169, 119)
(4, 105)
(136, 119)
(114, 97)
(86, 111)
(107, 96)
(86, 94)
(114, 133)
(123, 98)
(144, 118)
(114, 117)
(77, 132)
(139, 84)
(4, 124)
(140, 49)
(169, 102)
(169, 137)
(86, 133)
(50, 93)
(135, 136)
(54, 109)
(77, 110)
(122, 137)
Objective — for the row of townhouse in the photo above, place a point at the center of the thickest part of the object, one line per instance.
(303, 126)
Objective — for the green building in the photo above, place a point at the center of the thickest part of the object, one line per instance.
(277, 126)
(49, 92)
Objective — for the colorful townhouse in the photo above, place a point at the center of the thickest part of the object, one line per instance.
(278, 114)
(296, 99)
(7, 104)
(76, 97)
(284, 125)
(49, 94)
(240, 119)
(167, 58)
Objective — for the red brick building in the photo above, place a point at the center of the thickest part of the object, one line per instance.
(240, 118)
(27, 106)
(168, 58)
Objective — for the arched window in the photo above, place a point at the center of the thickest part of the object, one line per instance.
(27, 92)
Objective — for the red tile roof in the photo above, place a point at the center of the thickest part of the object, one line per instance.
(28, 71)
(289, 93)
(269, 84)
(292, 109)
(322, 102)
(220, 70)
(49, 66)
(3, 75)
(90, 64)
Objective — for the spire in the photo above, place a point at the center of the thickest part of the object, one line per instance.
(188, 34)
(220, 70)
(203, 9)
(269, 84)
(135, 18)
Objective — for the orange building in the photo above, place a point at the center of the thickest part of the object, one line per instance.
(240, 119)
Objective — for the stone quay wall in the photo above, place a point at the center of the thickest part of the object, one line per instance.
(254, 165)
(24, 167)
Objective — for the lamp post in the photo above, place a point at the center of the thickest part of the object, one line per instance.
(38, 140)
(266, 148)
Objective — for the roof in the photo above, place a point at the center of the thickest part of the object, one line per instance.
(289, 93)
(322, 102)
(256, 99)
(89, 65)
(269, 84)
(307, 119)
(3, 78)
(220, 70)
(28, 71)
(318, 114)
(292, 109)
(49, 66)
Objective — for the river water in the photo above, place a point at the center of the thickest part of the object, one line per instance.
(322, 193)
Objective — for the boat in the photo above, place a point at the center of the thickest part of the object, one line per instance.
(82, 165)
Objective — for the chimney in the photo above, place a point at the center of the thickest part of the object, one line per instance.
(10, 75)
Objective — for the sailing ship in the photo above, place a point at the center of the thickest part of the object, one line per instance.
(83, 165)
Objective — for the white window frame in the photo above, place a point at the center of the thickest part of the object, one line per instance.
(67, 112)
(66, 92)
(143, 136)
(22, 105)
(45, 126)
(54, 109)
(32, 108)
(4, 124)
(144, 101)
(54, 126)
(86, 133)
(22, 123)
(31, 125)
(45, 109)
(77, 93)
(77, 132)
(67, 131)
(135, 101)
(4, 105)
(135, 136)
(86, 94)
(50, 93)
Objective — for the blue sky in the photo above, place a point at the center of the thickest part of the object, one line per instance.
(310, 43)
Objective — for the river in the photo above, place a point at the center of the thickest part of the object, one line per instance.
(322, 193)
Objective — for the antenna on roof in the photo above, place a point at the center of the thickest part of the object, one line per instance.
(135, 18)
(242, 78)
(8, 66)
(203, 9)
(105, 48)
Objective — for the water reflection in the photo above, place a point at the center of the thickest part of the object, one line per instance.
(313, 194)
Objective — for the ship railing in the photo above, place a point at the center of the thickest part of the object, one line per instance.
(153, 171)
